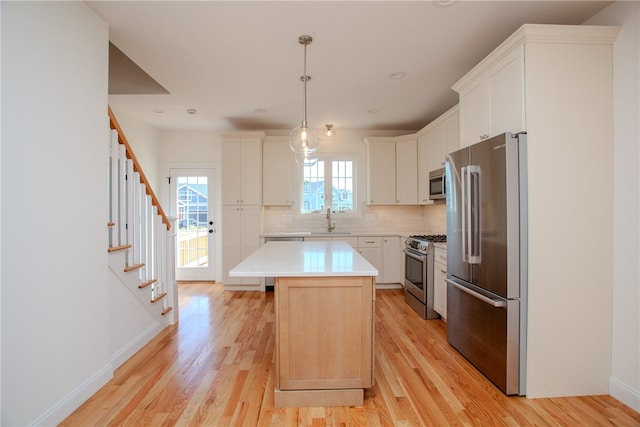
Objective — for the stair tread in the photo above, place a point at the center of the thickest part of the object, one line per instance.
(159, 297)
(147, 283)
(166, 310)
(118, 248)
(133, 267)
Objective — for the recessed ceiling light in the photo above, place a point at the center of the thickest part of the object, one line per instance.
(444, 3)
(373, 111)
(260, 110)
(397, 75)
(158, 110)
(191, 111)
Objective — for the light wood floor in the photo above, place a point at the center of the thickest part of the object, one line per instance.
(216, 368)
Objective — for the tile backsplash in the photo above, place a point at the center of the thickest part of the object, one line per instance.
(429, 219)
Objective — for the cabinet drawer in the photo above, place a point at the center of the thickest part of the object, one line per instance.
(440, 255)
(369, 242)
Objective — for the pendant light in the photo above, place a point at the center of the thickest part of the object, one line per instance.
(303, 140)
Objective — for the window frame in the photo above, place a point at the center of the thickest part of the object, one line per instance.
(329, 158)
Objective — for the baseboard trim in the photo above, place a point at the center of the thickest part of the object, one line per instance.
(624, 394)
(133, 346)
(77, 397)
(388, 286)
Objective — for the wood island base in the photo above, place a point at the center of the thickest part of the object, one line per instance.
(324, 340)
(307, 398)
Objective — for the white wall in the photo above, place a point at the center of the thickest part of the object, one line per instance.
(186, 149)
(624, 383)
(145, 142)
(55, 330)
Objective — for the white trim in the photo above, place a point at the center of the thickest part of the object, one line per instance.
(329, 157)
(77, 397)
(135, 345)
(624, 394)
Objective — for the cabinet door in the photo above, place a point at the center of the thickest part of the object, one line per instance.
(391, 260)
(407, 172)
(241, 171)
(231, 244)
(231, 172)
(251, 168)
(277, 167)
(240, 238)
(381, 173)
(440, 289)
(444, 139)
(250, 237)
(474, 113)
(423, 167)
(506, 94)
(324, 332)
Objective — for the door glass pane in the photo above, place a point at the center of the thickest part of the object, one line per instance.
(193, 216)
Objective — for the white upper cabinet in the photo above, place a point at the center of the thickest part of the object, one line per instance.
(435, 141)
(242, 168)
(381, 171)
(492, 102)
(392, 170)
(406, 170)
(277, 172)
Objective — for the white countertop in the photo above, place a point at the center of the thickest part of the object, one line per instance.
(294, 259)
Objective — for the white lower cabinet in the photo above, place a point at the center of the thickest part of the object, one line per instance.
(382, 252)
(240, 238)
(391, 260)
(440, 285)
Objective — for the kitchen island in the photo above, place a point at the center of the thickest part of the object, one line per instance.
(324, 320)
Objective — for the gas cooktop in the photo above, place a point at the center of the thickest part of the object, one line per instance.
(435, 238)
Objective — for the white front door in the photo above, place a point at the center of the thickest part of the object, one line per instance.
(192, 203)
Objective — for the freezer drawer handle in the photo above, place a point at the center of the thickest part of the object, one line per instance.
(491, 302)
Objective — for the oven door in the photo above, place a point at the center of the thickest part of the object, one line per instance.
(415, 273)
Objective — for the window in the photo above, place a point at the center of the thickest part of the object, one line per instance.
(317, 196)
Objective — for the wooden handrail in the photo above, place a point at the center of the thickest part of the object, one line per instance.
(136, 166)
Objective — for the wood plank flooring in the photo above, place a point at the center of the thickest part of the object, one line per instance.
(216, 368)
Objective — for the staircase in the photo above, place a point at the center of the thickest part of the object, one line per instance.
(141, 238)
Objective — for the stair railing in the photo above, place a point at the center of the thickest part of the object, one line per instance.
(138, 225)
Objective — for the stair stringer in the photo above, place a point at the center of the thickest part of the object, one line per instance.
(131, 280)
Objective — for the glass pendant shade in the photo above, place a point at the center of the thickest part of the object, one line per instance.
(304, 140)
(306, 159)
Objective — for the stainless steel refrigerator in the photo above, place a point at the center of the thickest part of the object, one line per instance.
(487, 257)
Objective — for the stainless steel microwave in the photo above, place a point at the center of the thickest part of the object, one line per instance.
(437, 187)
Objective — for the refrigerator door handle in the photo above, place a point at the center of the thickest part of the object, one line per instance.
(473, 201)
(491, 302)
(466, 213)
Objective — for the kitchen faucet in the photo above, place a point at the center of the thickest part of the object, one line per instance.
(330, 226)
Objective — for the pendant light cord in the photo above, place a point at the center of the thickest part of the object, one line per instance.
(304, 79)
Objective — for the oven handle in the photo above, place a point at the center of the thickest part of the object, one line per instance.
(415, 256)
(491, 302)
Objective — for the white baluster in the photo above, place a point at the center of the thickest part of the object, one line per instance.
(122, 195)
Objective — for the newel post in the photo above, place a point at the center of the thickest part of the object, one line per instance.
(170, 271)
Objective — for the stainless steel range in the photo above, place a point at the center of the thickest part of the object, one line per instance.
(418, 273)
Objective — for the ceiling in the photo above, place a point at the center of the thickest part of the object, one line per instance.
(239, 63)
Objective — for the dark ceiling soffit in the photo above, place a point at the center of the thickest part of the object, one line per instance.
(126, 78)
